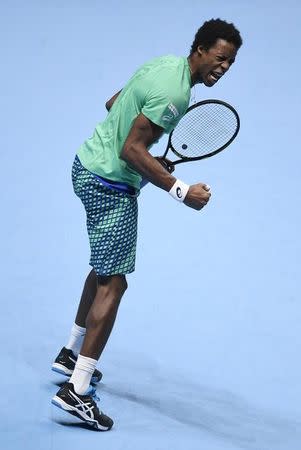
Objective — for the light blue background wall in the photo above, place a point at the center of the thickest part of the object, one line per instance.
(206, 350)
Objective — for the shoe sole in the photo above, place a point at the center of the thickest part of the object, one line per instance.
(57, 401)
(59, 368)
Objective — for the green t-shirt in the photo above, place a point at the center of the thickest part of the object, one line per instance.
(160, 90)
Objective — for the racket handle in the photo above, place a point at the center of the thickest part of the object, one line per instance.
(168, 165)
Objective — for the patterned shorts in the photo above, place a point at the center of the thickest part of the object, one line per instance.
(111, 223)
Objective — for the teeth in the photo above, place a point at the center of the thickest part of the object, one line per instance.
(215, 76)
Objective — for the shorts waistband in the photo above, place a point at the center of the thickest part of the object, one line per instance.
(118, 185)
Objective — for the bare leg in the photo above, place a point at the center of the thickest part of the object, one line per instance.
(87, 298)
(102, 314)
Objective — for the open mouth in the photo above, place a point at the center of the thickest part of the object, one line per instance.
(215, 76)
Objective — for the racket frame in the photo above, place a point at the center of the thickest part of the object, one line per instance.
(207, 155)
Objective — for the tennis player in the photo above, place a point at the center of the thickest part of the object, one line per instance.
(107, 174)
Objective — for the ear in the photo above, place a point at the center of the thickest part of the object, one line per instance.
(200, 50)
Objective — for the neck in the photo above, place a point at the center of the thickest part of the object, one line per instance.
(192, 62)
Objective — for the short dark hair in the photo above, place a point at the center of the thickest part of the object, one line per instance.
(215, 29)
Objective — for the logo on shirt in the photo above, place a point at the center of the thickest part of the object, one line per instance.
(173, 113)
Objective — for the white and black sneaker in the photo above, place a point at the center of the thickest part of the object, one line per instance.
(65, 362)
(82, 406)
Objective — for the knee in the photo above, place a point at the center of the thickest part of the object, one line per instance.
(118, 288)
(113, 286)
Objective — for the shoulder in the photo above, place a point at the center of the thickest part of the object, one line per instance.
(164, 67)
(161, 69)
(161, 89)
(166, 75)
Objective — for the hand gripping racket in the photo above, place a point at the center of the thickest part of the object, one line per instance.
(207, 128)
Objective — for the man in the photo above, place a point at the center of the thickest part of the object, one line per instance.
(107, 174)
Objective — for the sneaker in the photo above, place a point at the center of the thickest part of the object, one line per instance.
(65, 362)
(82, 406)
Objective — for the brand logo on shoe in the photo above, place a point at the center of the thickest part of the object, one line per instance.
(82, 406)
(73, 360)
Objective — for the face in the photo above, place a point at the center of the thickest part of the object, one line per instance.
(215, 62)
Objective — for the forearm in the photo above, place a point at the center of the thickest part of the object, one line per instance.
(138, 157)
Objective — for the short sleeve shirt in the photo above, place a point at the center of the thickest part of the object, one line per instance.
(160, 90)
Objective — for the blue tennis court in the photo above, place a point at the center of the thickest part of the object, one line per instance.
(205, 353)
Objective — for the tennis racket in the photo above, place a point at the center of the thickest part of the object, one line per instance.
(207, 128)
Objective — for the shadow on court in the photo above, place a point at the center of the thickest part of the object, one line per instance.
(223, 415)
(70, 424)
(212, 412)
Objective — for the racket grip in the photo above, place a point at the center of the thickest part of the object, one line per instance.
(168, 165)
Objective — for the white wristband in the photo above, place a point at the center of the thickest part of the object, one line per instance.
(179, 190)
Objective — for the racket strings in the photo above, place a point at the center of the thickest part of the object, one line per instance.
(204, 130)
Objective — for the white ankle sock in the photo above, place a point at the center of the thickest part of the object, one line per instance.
(76, 339)
(82, 373)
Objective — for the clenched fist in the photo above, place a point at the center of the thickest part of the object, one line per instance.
(197, 196)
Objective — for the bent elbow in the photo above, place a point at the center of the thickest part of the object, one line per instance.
(124, 154)
(128, 153)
